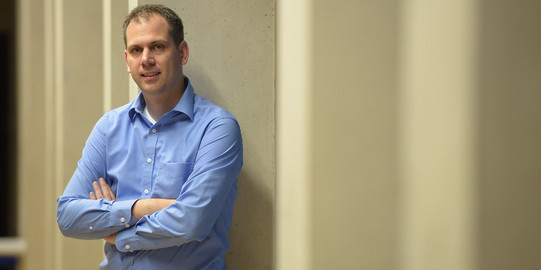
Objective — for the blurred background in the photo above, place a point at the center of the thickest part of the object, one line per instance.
(398, 135)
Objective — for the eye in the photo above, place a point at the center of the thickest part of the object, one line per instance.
(135, 50)
(159, 47)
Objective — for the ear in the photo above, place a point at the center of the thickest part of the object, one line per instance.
(184, 52)
(126, 59)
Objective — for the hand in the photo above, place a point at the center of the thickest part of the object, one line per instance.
(101, 191)
(111, 238)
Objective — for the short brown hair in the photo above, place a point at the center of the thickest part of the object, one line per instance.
(144, 12)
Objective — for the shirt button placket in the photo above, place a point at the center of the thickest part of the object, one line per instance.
(152, 138)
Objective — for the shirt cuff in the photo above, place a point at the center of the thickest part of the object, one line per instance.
(121, 214)
(125, 240)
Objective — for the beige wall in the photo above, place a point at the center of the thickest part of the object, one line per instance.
(408, 134)
(71, 70)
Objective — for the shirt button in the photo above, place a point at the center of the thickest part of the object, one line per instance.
(146, 191)
(91, 228)
(122, 219)
(149, 160)
(154, 130)
(127, 225)
(127, 247)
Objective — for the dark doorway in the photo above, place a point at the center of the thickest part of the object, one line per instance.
(8, 135)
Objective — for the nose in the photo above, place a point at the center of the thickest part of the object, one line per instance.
(147, 58)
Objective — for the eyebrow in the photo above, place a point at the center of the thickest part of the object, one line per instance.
(151, 43)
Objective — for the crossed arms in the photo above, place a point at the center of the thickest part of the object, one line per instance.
(88, 209)
(140, 208)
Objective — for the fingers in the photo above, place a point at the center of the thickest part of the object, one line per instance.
(106, 190)
(101, 191)
(97, 190)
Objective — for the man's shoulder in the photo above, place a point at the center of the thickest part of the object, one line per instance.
(206, 109)
(119, 111)
(117, 114)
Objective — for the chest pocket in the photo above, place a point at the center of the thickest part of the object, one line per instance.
(170, 178)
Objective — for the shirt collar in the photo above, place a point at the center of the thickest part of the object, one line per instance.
(185, 105)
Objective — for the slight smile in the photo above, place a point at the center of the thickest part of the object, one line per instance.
(151, 74)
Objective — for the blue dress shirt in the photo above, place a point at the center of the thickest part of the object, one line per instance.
(192, 154)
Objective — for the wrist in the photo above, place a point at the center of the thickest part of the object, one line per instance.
(137, 209)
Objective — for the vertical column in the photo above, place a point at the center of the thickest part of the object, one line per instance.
(79, 103)
(53, 126)
(336, 71)
(107, 76)
(436, 139)
(59, 128)
(35, 185)
(116, 81)
(60, 96)
(294, 85)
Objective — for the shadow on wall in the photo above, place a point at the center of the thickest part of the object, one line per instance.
(204, 85)
(251, 234)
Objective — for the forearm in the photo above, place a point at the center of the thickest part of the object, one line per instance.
(162, 229)
(144, 207)
(179, 223)
(92, 219)
(141, 208)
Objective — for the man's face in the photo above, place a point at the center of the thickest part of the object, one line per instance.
(153, 59)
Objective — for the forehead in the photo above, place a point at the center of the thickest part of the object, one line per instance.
(147, 30)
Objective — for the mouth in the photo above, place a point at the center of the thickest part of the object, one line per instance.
(150, 75)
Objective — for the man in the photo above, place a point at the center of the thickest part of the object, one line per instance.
(157, 177)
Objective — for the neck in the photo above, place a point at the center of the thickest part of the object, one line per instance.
(158, 105)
